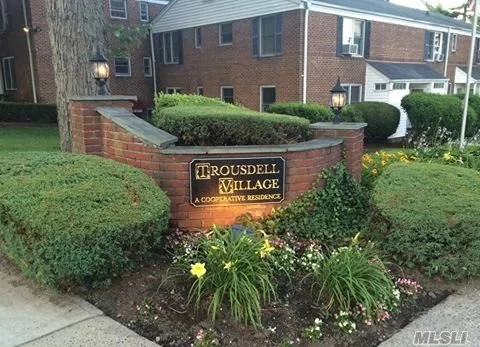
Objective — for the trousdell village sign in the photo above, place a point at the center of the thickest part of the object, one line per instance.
(242, 181)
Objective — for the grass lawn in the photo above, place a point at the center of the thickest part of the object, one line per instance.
(18, 138)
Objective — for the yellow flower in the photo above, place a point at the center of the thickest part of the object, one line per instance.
(198, 269)
(404, 160)
(448, 157)
(365, 166)
(375, 171)
(266, 249)
(228, 265)
(215, 248)
(384, 162)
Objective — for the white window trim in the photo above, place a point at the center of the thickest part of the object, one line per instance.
(261, 94)
(454, 43)
(381, 90)
(196, 37)
(260, 27)
(220, 35)
(129, 67)
(126, 11)
(226, 87)
(172, 62)
(405, 83)
(348, 85)
(4, 60)
(150, 64)
(198, 89)
(364, 36)
(148, 11)
(175, 89)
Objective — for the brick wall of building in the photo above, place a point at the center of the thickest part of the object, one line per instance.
(98, 135)
(213, 66)
(14, 43)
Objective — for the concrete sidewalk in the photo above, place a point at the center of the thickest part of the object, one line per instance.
(30, 317)
(459, 314)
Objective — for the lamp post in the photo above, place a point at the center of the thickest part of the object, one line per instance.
(337, 101)
(100, 72)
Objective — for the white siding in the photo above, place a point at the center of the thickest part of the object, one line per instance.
(396, 97)
(373, 77)
(182, 14)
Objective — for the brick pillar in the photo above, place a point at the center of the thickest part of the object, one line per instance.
(86, 122)
(352, 136)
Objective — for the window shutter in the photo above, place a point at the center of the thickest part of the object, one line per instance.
(428, 45)
(444, 46)
(278, 33)
(160, 48)
(368, 32)
(339, 36)
(180, 47)
(255, 41)
(477, 53)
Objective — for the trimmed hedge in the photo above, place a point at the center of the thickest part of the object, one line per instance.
(429, 112)
(171, 100)
(23, 112)
(222, 126)
(430, 214)
(311, 111)
(382, 118)
(71, 219)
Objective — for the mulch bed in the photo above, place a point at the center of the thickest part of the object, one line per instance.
(159, 312)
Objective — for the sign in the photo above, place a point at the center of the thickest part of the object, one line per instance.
(224, 182)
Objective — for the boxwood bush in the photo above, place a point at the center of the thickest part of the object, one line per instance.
(71, 219)
(382, 118)
(23, 112)
(311, 111)
(170, 100)
(429, 217)
(230, 126)
(429, 112)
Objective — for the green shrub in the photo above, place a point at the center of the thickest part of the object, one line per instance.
(23, 112)
(352, 276)
(382, 118)
(311, 111)
(68, 219)
(222, 126)
(428, 217)
(328, 214)
(170, 100)
(233, 268)
(430, 112)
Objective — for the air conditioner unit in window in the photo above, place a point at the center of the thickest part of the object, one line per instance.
(351, 49)
(439, 57)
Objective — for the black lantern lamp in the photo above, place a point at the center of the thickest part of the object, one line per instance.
(100, 71)
(337, 101)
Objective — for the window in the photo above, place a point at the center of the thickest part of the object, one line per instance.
(268, 96)
(354, 93)
(173, 90)
(353, 37)
(171, 45)
(147, 66)
(267, 35)
(122, 66)
(200, 91)
(439, 85)
(198, 38)
(380, 86)
(227, 95)
(435, 47)
(454, 42)
(118, 9)
(3, 15)
(225, 34)
(399, 86)
(9, 73)
(144, 14)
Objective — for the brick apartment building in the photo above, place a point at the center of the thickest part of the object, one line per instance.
(256, 52)
(130, 76)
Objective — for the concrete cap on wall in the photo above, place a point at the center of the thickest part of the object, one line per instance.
(340, 126)
(103, 98)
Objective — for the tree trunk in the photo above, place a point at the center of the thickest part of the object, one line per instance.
(76, 29)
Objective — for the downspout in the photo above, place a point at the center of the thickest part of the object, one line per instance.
(154, 64)
(447, 54)
(30, 55)
(307, 4)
